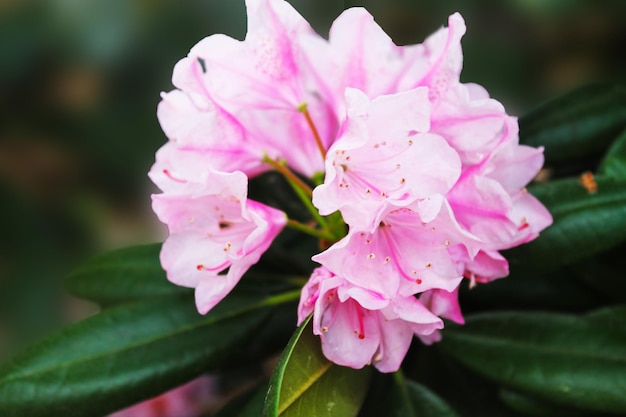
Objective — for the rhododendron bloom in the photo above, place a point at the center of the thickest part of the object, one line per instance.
(213, 228)
(382, 155)
(424, 172)
(201, 129)
(359, 327)
(408, 253)
(264, 83)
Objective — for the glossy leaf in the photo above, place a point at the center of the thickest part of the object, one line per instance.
(392, 395)
(562, 359)
(410, 399)
(577, 125)
(531, 406)
(550, 289)
(305, 383)
(614, 162)
(125, 354)
(585, 223)
(469, 393)
(123, 275)
(603, 274)
(249, 404)
(614, 316)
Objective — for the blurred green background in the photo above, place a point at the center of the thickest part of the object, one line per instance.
(80, 82)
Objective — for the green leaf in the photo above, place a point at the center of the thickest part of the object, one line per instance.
(123, 275)
(126, 354)
(614, 316)
(614, 162)
(562, 359)
(551, 289)
(249, 404)
(411, 399)
(531, 406)
(426, 403)
(469, 393)
(602, 274)
(584, 223)
(392, 395)
(305, 383)
(578, 125)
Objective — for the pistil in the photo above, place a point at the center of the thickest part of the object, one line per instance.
(304, 110)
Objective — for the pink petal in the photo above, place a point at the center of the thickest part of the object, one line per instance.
(444, 304)
(381, 157)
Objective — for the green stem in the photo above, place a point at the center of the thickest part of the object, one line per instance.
(322, 234)
(290, 176)
(303, 191)
(398, 378)
(282, 298)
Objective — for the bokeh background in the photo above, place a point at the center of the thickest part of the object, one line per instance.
(80, 82)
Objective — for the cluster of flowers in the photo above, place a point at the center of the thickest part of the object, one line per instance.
(426, 172)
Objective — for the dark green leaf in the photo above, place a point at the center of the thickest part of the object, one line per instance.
(305, 383)
(551, 289)
(423, 402)
(578, 125)
(392, 395)
(562, 359)
(470, 394)
(531, 406)
(614, 162)
(125, 354)
(584, 223)
(123, 275)
(602, 274)
(614, 316)
(249, 404)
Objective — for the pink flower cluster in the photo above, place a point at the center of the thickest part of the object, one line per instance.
(427, 173)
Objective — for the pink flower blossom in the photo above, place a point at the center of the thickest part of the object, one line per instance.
(361, 55)
(196, 125)
(426, 171)
(383, 155)
(264, 84)
(490, 201)
(213, 228)
(359, 327)
(407, 253)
